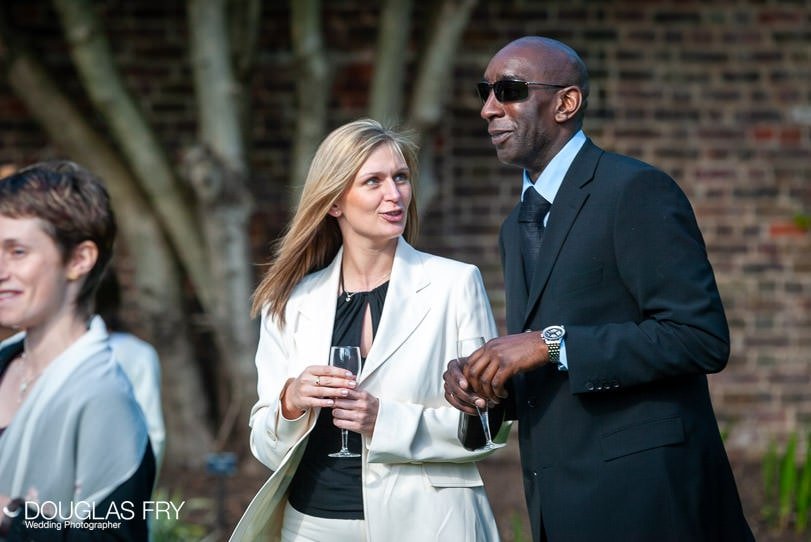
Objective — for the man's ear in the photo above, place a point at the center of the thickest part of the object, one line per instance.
(82, 260)
(570, 100)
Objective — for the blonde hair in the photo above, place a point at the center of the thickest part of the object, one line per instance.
(312, 238)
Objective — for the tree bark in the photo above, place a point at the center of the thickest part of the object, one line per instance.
(312, 88)
(92, 57)
(244, 22)
(244, 18)
(218, 172)
(157, 277)
(392, 45)
(429, 94)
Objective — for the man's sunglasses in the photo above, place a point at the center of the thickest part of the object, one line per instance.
(510, 90)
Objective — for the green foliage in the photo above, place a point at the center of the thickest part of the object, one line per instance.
(803, 221)
(803, 504)
(787, 486)
(176, 529)
(517, 527)
(788, 482)
(769, 470)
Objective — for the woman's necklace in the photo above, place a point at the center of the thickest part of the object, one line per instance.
(348, 295)
(28, 379)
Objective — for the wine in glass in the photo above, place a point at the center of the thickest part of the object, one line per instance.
(345, 357)
(465, 347)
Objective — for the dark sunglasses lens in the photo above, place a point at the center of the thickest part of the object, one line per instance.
(511, 91)
(484, 90)
(505, 90)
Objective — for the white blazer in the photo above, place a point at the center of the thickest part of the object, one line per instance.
(419, 483)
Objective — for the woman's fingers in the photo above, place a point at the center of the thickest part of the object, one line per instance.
(323, 380)
(356, 412)
(343, 382)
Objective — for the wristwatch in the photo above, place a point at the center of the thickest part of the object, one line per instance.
(552, 336)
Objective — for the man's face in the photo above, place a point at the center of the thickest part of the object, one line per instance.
(522, 131)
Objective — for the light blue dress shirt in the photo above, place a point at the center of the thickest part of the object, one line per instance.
(547, 186)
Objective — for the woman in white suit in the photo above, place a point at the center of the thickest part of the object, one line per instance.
(344, 274)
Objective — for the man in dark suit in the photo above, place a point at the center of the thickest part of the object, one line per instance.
(617, 433)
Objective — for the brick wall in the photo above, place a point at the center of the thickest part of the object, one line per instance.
(717, 94)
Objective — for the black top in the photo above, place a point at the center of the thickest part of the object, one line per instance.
(330, 487)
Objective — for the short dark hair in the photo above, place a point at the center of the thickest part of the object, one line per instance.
(74, 206)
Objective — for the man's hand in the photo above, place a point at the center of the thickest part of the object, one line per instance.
(457, 389)
(489, 368)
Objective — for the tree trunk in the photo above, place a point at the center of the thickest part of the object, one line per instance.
(218, 171)
(157, 277)
(93, 59)
(312, 89)
(392, 44)
(430, 90)
(244, 22)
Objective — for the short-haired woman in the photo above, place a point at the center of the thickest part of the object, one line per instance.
(75, 460)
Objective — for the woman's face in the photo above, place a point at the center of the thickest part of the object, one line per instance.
(374, 208)
(33, 276)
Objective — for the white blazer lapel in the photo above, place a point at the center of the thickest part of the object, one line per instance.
(316, 317)
(405, 307)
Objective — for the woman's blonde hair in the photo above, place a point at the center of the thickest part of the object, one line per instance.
(312, 238)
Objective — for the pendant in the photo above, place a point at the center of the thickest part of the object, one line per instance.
(23, 388)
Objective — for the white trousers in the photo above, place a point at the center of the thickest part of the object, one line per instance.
(298, 527)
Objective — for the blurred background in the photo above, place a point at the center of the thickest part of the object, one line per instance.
(201, 116)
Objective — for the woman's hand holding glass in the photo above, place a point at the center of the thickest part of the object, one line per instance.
(357, 410)
(318, 386)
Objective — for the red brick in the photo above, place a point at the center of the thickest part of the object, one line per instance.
(702, 90)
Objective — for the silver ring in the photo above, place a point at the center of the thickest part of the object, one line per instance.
(317, 380)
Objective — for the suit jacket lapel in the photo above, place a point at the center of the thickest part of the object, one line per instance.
(313, 331)
(568, 202)
(406, 306)
(515, 287)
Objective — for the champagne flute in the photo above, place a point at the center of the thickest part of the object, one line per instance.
(345, 357)
(465, 347)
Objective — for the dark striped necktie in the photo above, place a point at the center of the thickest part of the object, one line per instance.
(530, 218)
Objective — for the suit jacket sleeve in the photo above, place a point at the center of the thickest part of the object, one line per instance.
(661, 262)
(272, 436)
(417, 431)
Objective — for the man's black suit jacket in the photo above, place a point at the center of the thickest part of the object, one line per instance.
(625, 445)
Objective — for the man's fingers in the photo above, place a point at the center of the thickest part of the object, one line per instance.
(477, 376)
(464, 406)
(499, 384)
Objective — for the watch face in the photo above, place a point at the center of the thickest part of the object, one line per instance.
(553, 333)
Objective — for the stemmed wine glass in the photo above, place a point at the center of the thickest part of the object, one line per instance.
(464, 348)
(345, 357)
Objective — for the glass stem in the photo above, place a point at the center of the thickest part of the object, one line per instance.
(344, 440)
(484, 417)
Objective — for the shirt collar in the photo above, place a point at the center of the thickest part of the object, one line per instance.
(551, 177)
